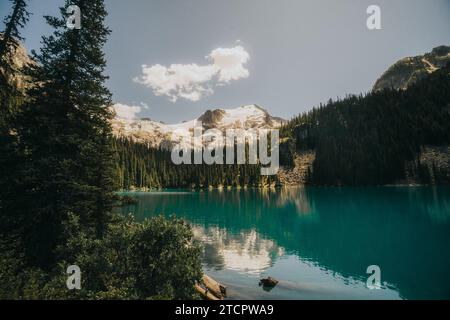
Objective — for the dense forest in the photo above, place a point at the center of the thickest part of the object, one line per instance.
(57, 178)
(138, 166)
(369, 139)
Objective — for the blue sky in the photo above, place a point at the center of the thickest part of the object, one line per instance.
(284, 55)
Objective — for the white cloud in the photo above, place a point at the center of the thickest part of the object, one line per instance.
(192, 81)
(124, 111)
(187, 81)
(230, 63)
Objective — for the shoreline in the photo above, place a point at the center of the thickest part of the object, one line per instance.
(402, 185)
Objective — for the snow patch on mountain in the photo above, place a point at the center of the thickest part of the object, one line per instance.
(156, 134)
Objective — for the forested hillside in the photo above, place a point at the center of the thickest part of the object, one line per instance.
(141, 167)
(376, 138)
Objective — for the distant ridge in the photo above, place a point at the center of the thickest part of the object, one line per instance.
(408, 70)
(159, 134)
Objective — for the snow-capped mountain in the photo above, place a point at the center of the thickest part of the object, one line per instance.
(156, 134)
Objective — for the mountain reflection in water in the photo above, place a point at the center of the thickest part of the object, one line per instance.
(318, 241)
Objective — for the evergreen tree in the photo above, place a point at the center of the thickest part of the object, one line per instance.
(10, 100)
(55, 204)
(13, 22)
(65, 135)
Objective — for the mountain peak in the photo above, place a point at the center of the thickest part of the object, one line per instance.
(408, 70)
(159, 134)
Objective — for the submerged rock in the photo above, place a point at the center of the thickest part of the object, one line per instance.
(268, 282)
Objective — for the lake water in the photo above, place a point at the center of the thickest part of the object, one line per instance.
(317, 241)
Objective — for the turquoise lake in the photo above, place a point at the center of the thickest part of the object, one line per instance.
(317, 241)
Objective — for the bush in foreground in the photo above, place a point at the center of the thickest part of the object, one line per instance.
(155, 259)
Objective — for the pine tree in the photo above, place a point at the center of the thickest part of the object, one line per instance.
(8, 45)
(64, 132)
(10, 99)
(13, 23)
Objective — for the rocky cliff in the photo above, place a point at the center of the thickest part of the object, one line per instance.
(410, 69)
(18, 61)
